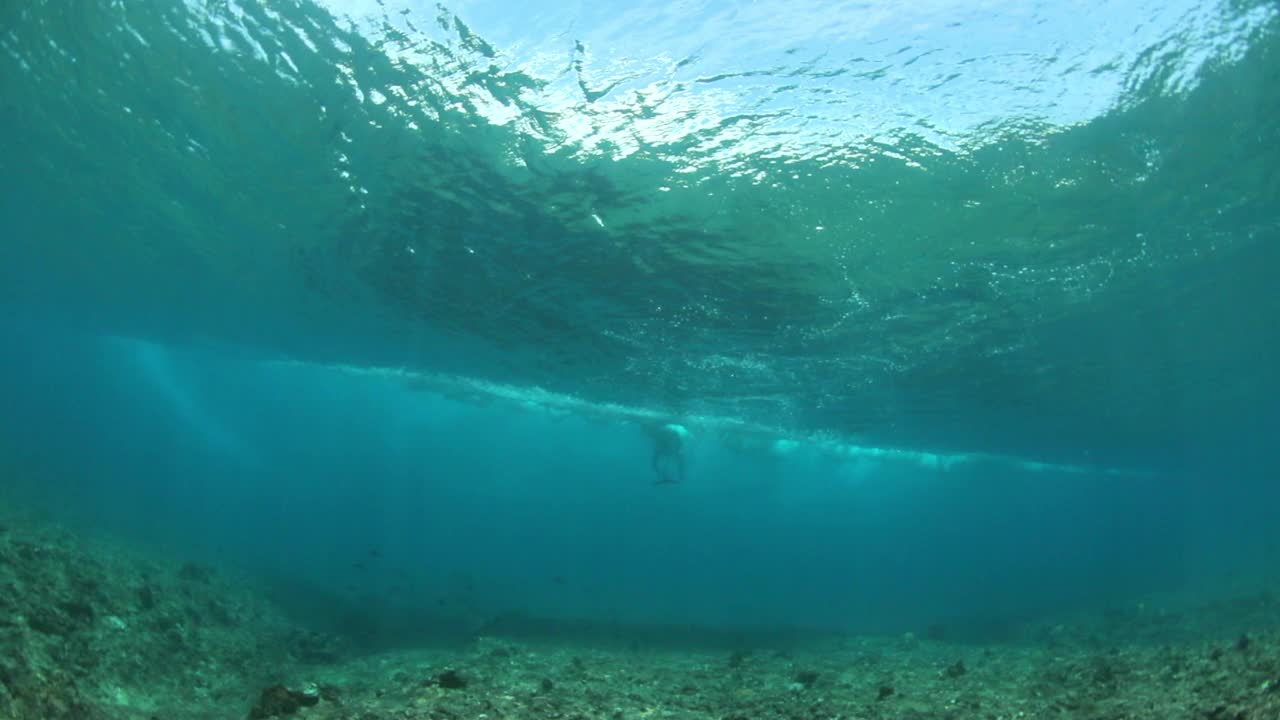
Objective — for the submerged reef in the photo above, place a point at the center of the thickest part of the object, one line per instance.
(278, 701)
(99, 631)
(96, 631)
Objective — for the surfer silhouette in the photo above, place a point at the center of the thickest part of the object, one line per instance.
(668, 452)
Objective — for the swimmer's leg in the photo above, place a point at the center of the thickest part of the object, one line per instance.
(662, 468)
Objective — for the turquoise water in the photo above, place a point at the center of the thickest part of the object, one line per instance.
(968, 310)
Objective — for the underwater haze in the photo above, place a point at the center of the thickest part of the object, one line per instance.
(967, 310)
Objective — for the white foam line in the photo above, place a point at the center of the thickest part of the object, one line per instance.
(780, 441)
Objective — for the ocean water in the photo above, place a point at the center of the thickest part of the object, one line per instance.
(967, 310)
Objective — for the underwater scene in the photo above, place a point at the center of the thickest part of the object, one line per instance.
(641, 359)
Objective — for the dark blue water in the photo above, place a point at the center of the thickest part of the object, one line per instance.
(969, 314)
